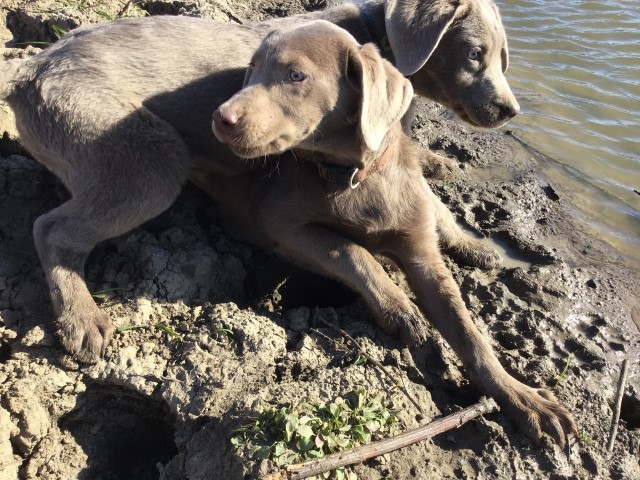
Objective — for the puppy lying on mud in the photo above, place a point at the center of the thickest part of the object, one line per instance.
(352, 187)
(121, 113)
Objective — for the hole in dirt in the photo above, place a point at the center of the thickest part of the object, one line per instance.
(5, 352)
(630, 412)
(124, 435)
(280, 285)
(161, 8)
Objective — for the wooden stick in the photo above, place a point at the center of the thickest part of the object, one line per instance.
(613, 430)
(364, 452)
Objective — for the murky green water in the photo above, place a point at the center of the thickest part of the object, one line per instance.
(575, 68)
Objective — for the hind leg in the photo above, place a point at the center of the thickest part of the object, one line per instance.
(134, 174)
(464, 248)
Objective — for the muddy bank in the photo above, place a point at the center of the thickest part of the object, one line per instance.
(158, 407)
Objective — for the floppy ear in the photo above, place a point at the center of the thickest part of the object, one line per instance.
(385, 93)
(504, 55)
(504, 52)
(415, 27)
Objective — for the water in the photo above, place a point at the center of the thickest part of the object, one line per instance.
(575, 68)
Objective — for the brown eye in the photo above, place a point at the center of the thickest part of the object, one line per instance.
(296, 76)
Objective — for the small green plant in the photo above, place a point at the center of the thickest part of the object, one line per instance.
(561, 375)
(58, 31)
(360, 360)
(222, 332)
(159, 326)
(104, 293)
(586, 439)
(297, 433)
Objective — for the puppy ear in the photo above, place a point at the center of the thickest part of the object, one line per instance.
(415, 27)
(504, 56)
(504, 51)
(385, 93)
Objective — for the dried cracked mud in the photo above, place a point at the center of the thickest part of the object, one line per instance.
(156, 407)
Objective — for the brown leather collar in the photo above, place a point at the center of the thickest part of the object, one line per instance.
(353, 176)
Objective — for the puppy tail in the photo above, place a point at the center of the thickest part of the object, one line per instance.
(9, 77)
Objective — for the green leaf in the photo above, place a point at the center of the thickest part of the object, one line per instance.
(315, 454)
(561, 375)
(343, 441)
(373, 425)
(304, 444)
(262, 453)
(305, 431)
(359, 434)
(291, 426)
(237, 441)
(164, 328)
(279, 449)
(304, 419)
(126, 328)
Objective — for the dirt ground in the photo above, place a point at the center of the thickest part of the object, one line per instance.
(156, 407)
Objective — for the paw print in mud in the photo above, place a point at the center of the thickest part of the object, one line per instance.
(489, 214)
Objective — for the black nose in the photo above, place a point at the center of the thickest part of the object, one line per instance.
(509, 110)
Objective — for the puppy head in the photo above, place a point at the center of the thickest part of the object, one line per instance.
(456, 53)
(314, 88)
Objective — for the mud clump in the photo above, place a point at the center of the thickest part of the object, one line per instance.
(253, 329)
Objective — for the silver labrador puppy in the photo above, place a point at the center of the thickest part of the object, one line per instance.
(351, 188)
(121, 113)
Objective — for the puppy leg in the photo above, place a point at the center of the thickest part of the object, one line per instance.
(536, 411)
(127, 180)
(464, 248)
(321, 250)
(436, 166)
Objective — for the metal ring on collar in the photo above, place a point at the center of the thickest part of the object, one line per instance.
(353, 175)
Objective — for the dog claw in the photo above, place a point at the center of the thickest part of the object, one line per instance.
(538, 413)
(408, 324)
(479, 255)
(87, 338)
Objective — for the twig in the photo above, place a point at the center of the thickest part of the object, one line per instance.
(613, 430)
(124, 9)
(364, 452)
(353, 341)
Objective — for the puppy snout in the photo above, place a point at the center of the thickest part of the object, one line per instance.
(228, 118)
(224, 122)
(509, 110)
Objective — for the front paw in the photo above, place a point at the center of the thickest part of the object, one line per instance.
(476, 254)
(404, 321)
(437, 167)
(85, 336)
(537, 412)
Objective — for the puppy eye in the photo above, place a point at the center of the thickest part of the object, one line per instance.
(296, 76)
(474, 54)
